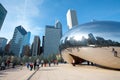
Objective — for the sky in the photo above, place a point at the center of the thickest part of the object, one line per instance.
(34, 15)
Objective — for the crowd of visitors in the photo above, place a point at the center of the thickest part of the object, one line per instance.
(37, 64)
(30, 65)
(7, 64)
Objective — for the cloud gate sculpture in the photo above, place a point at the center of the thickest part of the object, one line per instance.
(97, 42)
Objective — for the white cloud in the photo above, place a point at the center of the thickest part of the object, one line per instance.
(21, 12)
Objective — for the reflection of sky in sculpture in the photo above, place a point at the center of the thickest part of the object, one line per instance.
(78, 36)
(105, 29)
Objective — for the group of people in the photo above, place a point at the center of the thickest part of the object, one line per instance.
(36, 64)
(7, 63)
(31, 65)
(44, 63)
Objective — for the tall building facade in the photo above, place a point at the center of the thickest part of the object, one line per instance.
(3, 42)
(3, 13)
(52, 39)
(36, 46)
(20, 38)
(26, 50)
(43, 41)
(71, 18)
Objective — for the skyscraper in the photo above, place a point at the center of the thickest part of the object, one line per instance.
(71, 18)
(20, 38)
(3, 42)
(3, 13)
(36, 46)
(52, 39)
(26, 50)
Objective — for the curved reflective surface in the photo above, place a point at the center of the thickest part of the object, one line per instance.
(98, 33)
(94, 42)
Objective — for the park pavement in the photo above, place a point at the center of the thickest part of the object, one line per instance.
(62, 72)
(18, 73)
(79, 72)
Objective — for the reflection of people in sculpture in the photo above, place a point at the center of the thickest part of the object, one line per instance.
(114, 52)
(73, 62)
(113, 49)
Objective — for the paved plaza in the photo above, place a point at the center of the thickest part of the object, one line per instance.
(61, 72)
(16, 74)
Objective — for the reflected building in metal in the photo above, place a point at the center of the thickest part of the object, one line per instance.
(93, 41)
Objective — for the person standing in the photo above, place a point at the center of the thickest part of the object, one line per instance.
(49, 62)
(3, 66)
(8, 63)
(114, 52)
(42, 62)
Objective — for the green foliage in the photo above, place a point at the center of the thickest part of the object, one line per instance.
(0, 59)
(51, 57)
(18, 60)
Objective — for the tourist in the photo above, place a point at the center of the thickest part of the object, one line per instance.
(8, 63)
(49, 62)
(3, 66)
(27, 64)
(34, 65)
(57, 62)
(115, 53)
(45, 63)
(42, 62)
(37, 63)
(73, 62)
(31, 66)
(113, 49)
(13, 65)
(54, 61)
(21, 65)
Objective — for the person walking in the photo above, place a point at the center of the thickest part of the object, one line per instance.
(49, 62)
(21, 66)
(28, 65)
(37, 63)
(42, 62)
(34, 65)
(31, 66)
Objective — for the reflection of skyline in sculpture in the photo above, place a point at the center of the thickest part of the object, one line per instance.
(106, 31)
(82, 41)
(88, 38)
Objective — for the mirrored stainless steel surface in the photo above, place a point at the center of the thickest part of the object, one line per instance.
(93, 42)
(97, 33)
